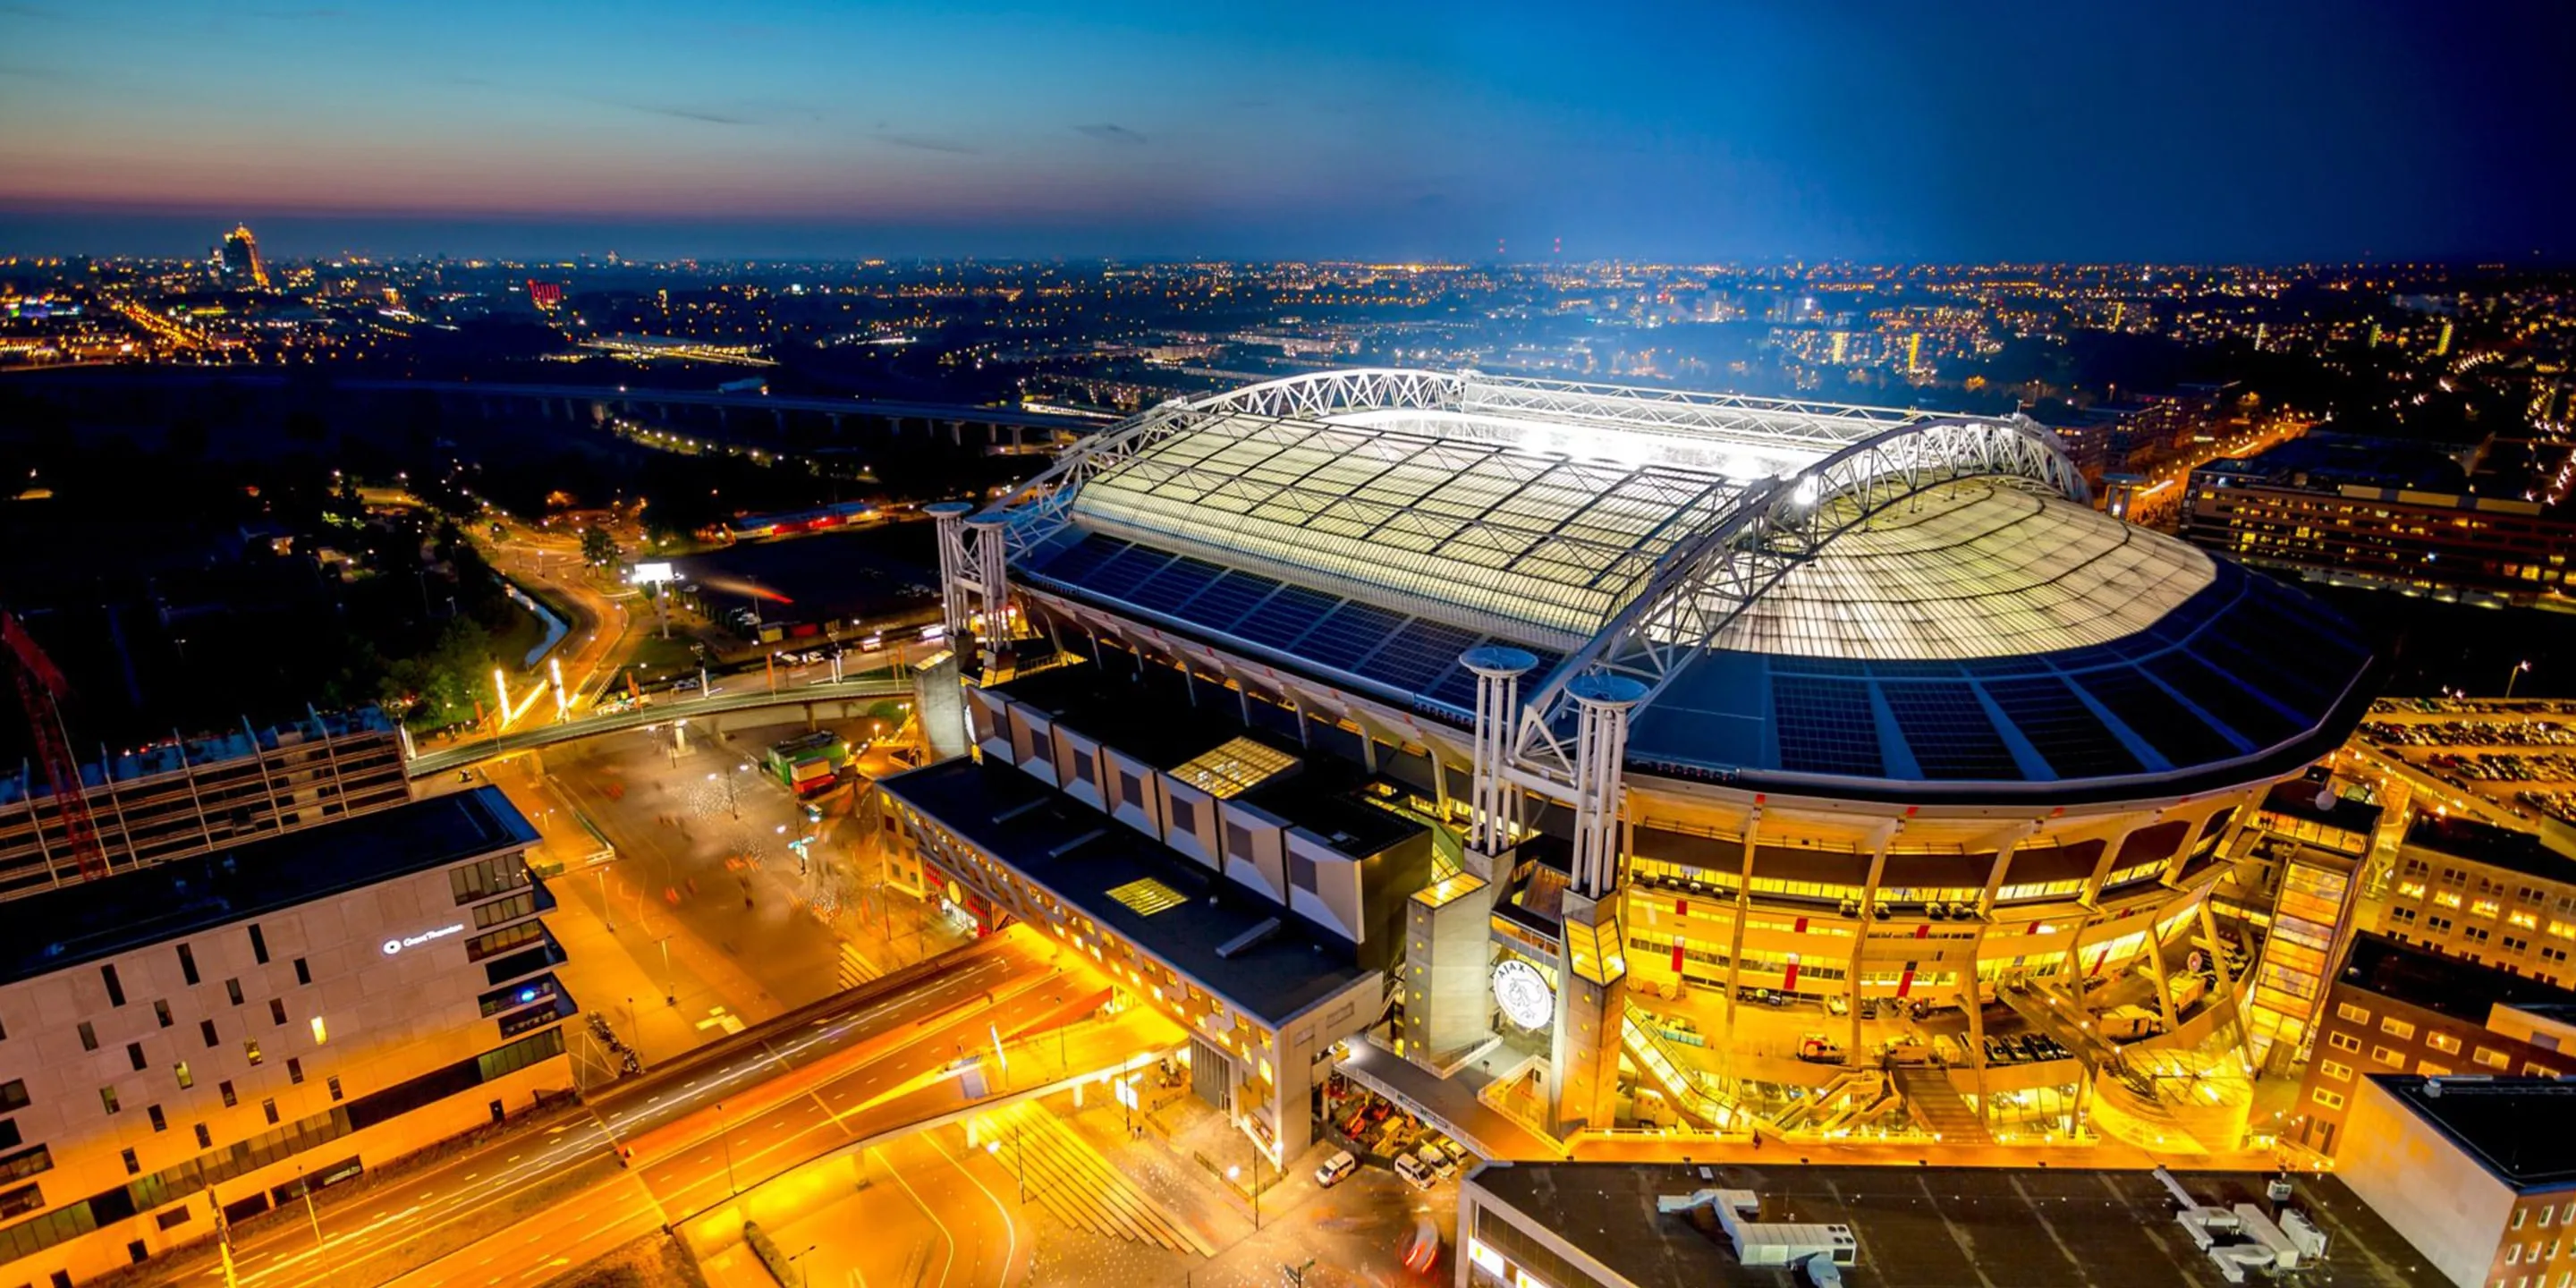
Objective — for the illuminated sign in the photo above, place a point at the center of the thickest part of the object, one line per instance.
(649, 574)
(1523, 993)
(393, 946)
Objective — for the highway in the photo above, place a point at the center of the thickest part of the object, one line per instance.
(475, 750)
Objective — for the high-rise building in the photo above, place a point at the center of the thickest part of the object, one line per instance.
(240, 259)
(2477, 1173)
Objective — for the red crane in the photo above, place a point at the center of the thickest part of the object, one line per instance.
(41, 689)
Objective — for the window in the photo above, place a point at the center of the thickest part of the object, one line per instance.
(161, 1012)
(1301, 870)
(2493, 1059)
(27, 1198)
(2334, 1070)
(232, 989)
(2432, 1070)
(174, 1218)
(206, 1139)
(2347, 1010)
(276, 1011)
(334, 1085)
(2343, 1042)
(2393, 1059)
(258, 945)
(1131, 790)
(188, 963)
(133, 1165)
(294, 1069)
(2330, 1099)
(2397, 1028)
(1238, 840)
(303, 973)
(503, 940)
(115, 989)
(226, 1087)
(207, 1028)
(487, 915)
(159, 1123)
(321, 1032)
(134, 1054)
(1082, 767)
(107, 1099)
(1185, 815)
(490, 877)
(89, 1036)
(269, 1107)
(186, 1079)
(250, 1048)
(2442, 1042)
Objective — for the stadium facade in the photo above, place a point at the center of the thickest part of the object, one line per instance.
(1563, 758)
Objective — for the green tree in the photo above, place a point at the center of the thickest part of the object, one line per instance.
(598, 547)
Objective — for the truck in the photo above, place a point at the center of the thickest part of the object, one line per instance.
(809, 764)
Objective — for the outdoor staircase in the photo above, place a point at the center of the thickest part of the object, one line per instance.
(1072, 1181)
(1938, 1106)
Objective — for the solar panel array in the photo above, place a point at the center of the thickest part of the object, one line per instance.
(1412, 658)
(2245, 664)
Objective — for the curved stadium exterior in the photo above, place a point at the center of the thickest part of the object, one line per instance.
(1833, 701)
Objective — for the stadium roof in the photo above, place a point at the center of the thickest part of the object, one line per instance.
(1807, 591)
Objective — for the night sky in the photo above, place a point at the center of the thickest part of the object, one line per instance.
(2165, 131)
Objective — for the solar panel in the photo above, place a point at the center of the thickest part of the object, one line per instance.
(1120, 575)
(2150, 711)
(1178, 583)
(1456, 689)
(1825, 726)
(1818, 666)
(1285, 616)
(1947, 729)
(2074, 741)
(2223, 698)
(1416, 654)
(1075, 559)
(1351, 633)
(1223, 604)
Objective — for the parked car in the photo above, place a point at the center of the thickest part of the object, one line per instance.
(1437, 1156)
(1414, 1173)
(1340, 1165)
(1816, 1048)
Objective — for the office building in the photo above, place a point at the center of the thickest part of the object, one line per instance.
(2485, 894)
(1728, 724)
(2394, 1008)
(238, 259)
(2381, 514)
(220, 1030)
(2478, 1173)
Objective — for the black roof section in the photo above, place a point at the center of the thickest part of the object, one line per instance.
(75, 924)
(1934, 1227)
(2522, 1130)
(1079, 854)
(2496, 847)
(2452, 986)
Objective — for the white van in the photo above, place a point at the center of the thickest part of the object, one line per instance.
(1414, 1172)
(1335, 1168)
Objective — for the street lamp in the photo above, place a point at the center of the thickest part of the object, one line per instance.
(2513, 675)
(724, 1132)
(800, 1270)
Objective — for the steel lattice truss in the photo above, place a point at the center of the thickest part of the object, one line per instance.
(1622, 525)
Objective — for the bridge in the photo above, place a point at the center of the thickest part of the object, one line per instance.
(813, 699)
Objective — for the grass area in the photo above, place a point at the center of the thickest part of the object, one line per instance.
(654, 654)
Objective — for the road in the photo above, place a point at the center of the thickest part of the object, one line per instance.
(526, 1205)
(462, 754)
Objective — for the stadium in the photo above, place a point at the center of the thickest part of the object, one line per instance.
(1560, 758)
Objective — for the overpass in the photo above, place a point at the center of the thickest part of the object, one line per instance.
(839, 699)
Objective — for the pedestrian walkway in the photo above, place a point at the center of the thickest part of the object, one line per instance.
(1071, 1180)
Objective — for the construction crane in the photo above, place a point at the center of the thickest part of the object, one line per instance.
(41, 689)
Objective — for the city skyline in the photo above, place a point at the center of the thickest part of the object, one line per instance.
(2196, 136)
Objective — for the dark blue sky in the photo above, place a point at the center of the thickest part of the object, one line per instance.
(2173, 130)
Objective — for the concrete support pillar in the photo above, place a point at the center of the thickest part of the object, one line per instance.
(1868, 917)
(950, 517)
(1735, 934)
(1498, 671)
(1591, 1017)
(992, 580)
(1601, 743)
(957, 433)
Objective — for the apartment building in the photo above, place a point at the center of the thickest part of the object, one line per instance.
(2478, 1173)
(2483, 893)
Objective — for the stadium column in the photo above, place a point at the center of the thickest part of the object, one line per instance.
(1970, 999)
(992, 574)
(1498, 671)
(1735, 933)
(1591, 997)
(1887, 832)
(950, 517)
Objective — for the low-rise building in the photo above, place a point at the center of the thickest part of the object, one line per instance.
(222, 1030)
(2478, 1173)
(2485, 893)
(2395, 1008)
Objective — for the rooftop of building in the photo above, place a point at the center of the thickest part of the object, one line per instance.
(2492, 846)
(1087, 859)
(2327, 461)
(2444, 985)
(1936, 1227)
(2521, 1130)
(92, 920)
(2306, 798)
(1970, 631)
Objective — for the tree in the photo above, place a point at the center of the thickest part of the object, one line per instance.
(598, 547)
